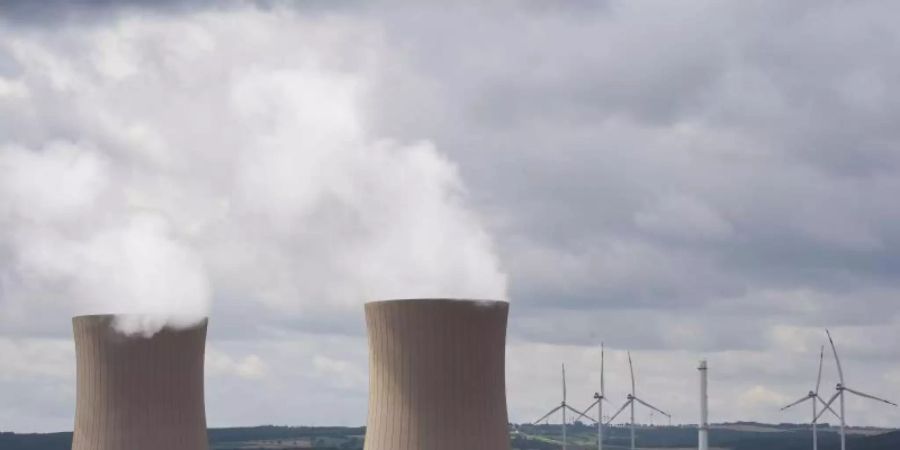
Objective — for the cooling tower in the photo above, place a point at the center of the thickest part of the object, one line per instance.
(436, 376)
(136, 392)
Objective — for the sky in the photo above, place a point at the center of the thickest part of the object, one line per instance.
(685, 180)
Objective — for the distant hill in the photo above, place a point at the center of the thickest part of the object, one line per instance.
(887, 441)
(48, 441)
(311, 438)
(735, 436)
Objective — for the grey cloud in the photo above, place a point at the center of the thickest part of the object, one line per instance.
(26, 13)
(650, 108)
(29, 14)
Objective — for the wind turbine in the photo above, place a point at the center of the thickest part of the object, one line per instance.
(631, 399)
(841, 388)
(814, 397)
(599, 398)
(562, 407)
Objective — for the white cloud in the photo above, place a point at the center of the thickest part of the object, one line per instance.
(37, 381)
(12, 89)
(36, 358)
(758, 397)
(341, 374)
(251, 367)
(54, 183)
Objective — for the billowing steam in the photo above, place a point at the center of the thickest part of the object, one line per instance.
(150, 166)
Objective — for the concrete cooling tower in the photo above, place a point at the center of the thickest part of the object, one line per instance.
(436, 378)
(136, 392)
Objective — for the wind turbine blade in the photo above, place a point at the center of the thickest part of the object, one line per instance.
(805, 398)
(631, 370)
(828, 407)
(836, 359)
(821, 360)
(580, 414)
(652, 407)
(564, 382)
(869, 396)
(591, 405)
(547, 415)
(618, 412)
(602, 359)
(584, 414)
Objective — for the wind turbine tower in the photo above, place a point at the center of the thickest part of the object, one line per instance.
(630, 401)
(841, 388)
(703, 434)
(814, 397)
(563, 406)
(599, 398)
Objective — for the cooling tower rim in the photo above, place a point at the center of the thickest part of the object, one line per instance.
(102, 316)
(167, 321)
(445, 300)
(114, 315)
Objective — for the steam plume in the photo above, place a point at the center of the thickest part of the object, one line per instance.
(148, 166)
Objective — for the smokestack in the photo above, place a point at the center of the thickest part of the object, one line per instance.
(137, 392)
(704, 408)
(437, 375)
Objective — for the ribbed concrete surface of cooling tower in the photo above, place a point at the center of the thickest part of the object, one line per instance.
(436, 378)
(136, 392)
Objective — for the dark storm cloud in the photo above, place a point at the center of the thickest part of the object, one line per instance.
(51, 12)
(46, 13)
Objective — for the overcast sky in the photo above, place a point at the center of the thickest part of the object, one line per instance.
(691, 179)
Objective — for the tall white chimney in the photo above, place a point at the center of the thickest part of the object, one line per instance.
(704, 408)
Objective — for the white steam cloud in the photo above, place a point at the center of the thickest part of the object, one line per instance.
(148, 166)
